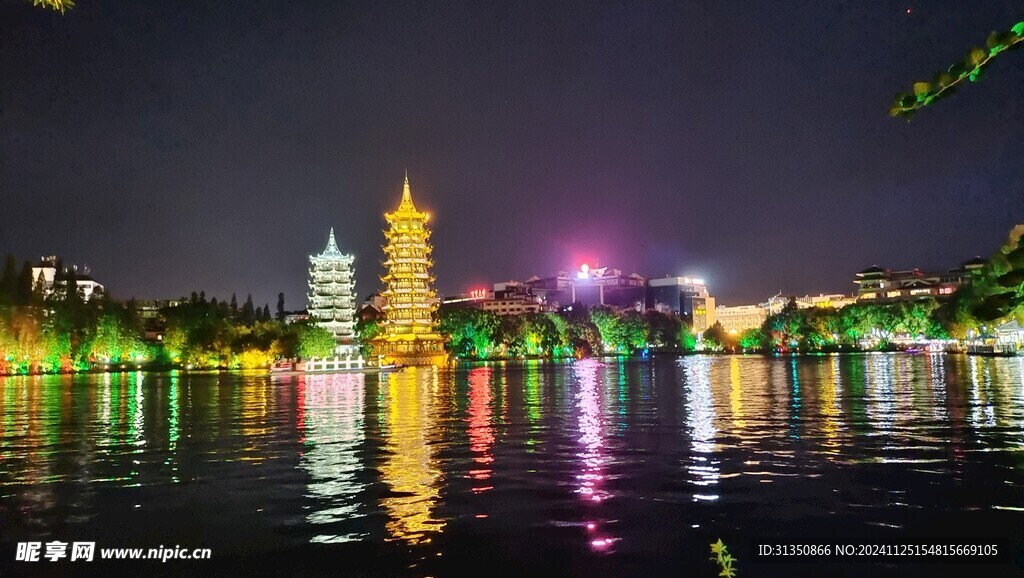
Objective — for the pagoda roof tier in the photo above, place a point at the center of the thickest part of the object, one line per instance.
(331, 252)
(411, 337)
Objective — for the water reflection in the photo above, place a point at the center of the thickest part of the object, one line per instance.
(618, 452)
(591, 456)
(333, 425)
(481, 434)
(700, 425)
(409, 467)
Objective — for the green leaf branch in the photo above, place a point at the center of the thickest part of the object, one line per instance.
(970, 68)
(57, 5)
(724, 559)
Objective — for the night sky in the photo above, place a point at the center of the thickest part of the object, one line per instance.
(177, 145)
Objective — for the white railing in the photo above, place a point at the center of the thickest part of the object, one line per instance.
(334, 363)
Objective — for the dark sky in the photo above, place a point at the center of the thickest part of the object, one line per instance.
(182, 145)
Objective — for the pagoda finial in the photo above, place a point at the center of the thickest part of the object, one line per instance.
(332, 245)
(406, 193)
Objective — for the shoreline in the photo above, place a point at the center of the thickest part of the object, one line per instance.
(526, 360)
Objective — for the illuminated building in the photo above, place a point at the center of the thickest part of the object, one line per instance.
(590, 286)
(332, 295)
(507, 298)
(606, 286)
(410, 335)
(879, 284)
(44, 277)
(554, 290)
(834, 301)
(687, 297)
(741, 317)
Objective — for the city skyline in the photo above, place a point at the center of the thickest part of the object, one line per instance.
(220, 164)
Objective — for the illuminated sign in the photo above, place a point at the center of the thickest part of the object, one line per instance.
(478, 294)
(584, 272)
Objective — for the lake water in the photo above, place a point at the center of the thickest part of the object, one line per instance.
(602, 468)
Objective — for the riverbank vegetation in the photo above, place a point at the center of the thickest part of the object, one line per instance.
(60, 331)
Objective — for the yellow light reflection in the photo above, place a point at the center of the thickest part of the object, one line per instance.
(409, 467)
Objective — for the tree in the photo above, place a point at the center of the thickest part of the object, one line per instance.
(23, 289)
(366, 330)
(248, 312)
(663, 329)
(716, 338)
(472, 331)
(945, 82)
(234, 305)
(8, 281)
(280, 307)
(315, 341)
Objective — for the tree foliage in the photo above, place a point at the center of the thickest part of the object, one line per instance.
(945, 83)
(314, 341)
(61, 6)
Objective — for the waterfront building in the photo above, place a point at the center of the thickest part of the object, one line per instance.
(296, 316)
(1009, 338)
(607, 286)
(44, 277)
(332, 295)
(554, 290)
(878, 284)
(373, 308)
(507, 298)
(590, 286)
(410, 334)
(834, 301)
(686, 297)
(740, 318)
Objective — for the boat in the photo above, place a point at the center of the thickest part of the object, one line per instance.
(330, 365)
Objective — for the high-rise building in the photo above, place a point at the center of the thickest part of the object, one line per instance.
(687, 297)
(332, 295)
(410, 336)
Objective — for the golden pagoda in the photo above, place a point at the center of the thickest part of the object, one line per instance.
(410, 334)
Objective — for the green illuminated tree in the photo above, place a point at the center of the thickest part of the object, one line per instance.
(366, 330)
(315, 341)
(945, 83)
(472, 332)
(716, 338)
(751, 339)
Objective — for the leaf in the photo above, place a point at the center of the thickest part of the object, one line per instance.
(993, 40)
(921, 88)
(975, 57)
(1018, 29)
(717, 547)
(943, 79)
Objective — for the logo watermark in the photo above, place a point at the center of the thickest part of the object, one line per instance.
(86, 552)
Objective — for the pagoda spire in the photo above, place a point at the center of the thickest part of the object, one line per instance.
(332, 245)
(406, 195)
